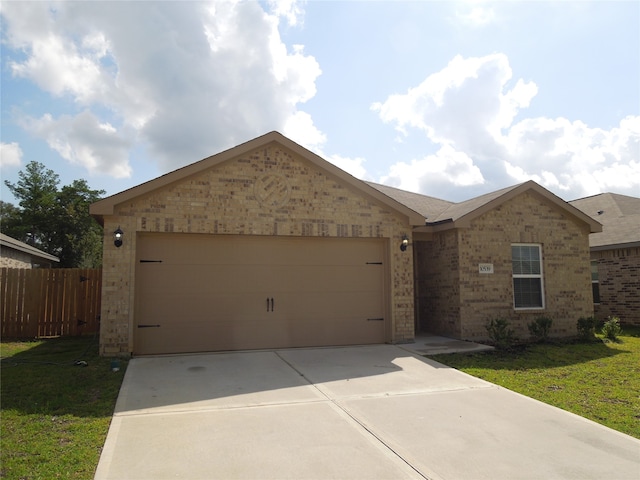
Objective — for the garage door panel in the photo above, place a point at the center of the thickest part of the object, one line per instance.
(275, 250)
(322, 305)
(227, 292)
(204, 278)
(327, 278)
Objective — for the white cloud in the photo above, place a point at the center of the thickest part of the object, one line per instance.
(469, 107)
(292, 10)
(84, 141)
(353, 166)
(10, 154)
(192, 79)
(464, 101)
(446, 167)
(573, 158)
(299, 128)
(477, 16)
(56, 66)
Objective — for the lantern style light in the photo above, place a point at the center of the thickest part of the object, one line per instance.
(117, 237)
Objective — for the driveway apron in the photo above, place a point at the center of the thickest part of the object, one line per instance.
(370, 412)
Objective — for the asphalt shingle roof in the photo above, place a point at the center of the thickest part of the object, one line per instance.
(618, 214)
(429, 207)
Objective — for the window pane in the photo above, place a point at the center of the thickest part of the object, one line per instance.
(516, 259)
(594, 271)
(525, 260)
(527, 292)
(595, 287)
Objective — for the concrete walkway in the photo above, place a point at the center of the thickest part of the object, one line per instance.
(371, 412)
(428, 344)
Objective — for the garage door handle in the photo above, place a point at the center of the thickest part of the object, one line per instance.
(272, 304)
(148, 326)
(269, 304)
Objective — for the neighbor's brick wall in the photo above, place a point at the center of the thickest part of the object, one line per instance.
(619, 275)
(234, 198)
(11, 258)
(527, 218)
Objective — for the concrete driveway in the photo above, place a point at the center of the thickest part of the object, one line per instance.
(371, 412)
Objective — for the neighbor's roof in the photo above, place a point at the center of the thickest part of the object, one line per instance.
(106, 206)
(9, 242)
(619, 215)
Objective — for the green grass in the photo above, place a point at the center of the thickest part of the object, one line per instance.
(55, 415)
(598, 380)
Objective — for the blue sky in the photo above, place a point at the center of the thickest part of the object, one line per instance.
(449, 99)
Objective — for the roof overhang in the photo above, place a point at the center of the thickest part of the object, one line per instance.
(12, 243)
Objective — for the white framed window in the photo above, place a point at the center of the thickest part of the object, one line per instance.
(528, 287)
(595, 282)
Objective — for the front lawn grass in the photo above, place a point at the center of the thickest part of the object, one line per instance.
(55, 414)
(598, 380)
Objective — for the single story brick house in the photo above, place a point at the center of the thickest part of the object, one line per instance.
(17, 254)
(267, 245)
(615, 255)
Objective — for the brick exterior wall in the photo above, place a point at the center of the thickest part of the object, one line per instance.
(270, 191)
(11, 258)
(619, 277)
(459, 301)
(438, 283)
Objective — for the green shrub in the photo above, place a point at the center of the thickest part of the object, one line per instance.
(540, 328)
(611, 328)
(500, 333)
(587, 328)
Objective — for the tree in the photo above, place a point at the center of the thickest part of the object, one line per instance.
(10, 221)
(80, 236)
(36, 191)
(55, 221)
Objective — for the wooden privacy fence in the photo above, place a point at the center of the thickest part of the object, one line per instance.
(49, 302)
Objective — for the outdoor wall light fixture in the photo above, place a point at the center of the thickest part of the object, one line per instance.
(117, 237)
(405, 243)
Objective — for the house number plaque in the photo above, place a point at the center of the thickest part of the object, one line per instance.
(485, 268)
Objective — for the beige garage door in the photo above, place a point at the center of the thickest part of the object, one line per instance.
(199, 293)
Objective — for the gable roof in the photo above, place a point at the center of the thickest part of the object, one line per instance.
(11, 243)
(441, 214)
(619, 215)
(106, 206)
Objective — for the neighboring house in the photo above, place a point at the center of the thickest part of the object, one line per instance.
(615, 255)
(268, 245)
(17, 254)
